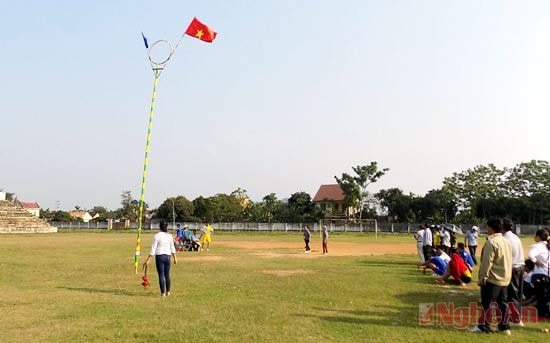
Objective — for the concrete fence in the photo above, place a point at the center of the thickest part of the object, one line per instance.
(269, 227)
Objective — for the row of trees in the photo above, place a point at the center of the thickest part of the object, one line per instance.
(237, 206)
(521, 192)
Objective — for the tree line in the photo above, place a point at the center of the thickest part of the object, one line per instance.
(521, 192)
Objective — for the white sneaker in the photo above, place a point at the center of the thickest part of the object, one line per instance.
(506, 332)
(307, 251)
(520, 323)
(476, 329)
(207, 249)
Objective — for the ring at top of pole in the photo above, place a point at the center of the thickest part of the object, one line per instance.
(159, 65)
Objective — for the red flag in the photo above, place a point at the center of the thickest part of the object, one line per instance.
(199, 30)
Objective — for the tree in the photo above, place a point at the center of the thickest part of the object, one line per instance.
(528, 178)
(300, 209)
(103, 212)
(61, 216)
(183, 209)
(130, 207)
(218, 208)
(268, 210)
(244, 201)
(467, 187)
(355, 187)
(397, 204)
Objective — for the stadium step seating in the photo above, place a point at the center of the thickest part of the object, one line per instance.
(14, 219)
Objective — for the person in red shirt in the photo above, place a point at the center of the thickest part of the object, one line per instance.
(458, 269)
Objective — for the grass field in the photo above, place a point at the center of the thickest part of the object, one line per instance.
(80, 287)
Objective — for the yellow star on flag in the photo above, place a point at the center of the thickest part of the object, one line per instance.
(199, 34)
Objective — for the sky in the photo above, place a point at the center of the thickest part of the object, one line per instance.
(289, 95)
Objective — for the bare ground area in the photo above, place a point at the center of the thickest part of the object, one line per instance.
(334, 248)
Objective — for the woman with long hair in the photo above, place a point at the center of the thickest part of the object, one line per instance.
(162, 248)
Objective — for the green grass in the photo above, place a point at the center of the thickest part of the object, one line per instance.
(80, 286)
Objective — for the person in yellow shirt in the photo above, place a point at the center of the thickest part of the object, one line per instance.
(206, 238)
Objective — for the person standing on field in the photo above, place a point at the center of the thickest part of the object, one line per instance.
(419, 237)
(325, 239)
(495, 273)
(515, 289)
(162, 248)
(427, 243)
(445, 237)
(471, 241)
(307, 237)
(206, 237)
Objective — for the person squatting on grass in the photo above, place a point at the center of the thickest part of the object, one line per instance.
(515, 289)
(325, 239)
(460, 250)
(436, 264)
(539, 254)
(162, 247)
(458, 269)
(495, 272)
(307, 237)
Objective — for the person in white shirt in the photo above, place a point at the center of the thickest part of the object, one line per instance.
(471, 242)
(162, 248)
(427, 243)
(445, 237)
(540, 255)
(515, 288)
(441, 253)
(419, 237)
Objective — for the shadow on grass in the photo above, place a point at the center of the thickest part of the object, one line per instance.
(403, 314)
(388, 263)
(105, 291)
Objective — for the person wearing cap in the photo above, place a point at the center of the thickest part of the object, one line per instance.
(470, 240)
(324, 232)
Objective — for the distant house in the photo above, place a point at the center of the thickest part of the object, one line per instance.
(330, 200)
(84, 215)
(31, 207)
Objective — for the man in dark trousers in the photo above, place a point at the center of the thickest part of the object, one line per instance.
(515, 289)
(307, 237)
(495, 273)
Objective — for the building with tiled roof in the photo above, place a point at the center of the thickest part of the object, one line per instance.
(330, 200)
(31, 207)
(84, 215)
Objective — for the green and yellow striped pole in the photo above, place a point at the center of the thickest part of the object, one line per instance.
(142, 196)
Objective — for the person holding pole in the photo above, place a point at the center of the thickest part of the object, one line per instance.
(162, 247)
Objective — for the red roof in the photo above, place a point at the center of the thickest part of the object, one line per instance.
(329, 192)
(28, 204)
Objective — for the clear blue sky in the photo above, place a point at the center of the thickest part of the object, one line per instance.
(290, 94)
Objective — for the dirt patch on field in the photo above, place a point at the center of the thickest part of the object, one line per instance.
(334, 248)
(285, 273)
(211, 258)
